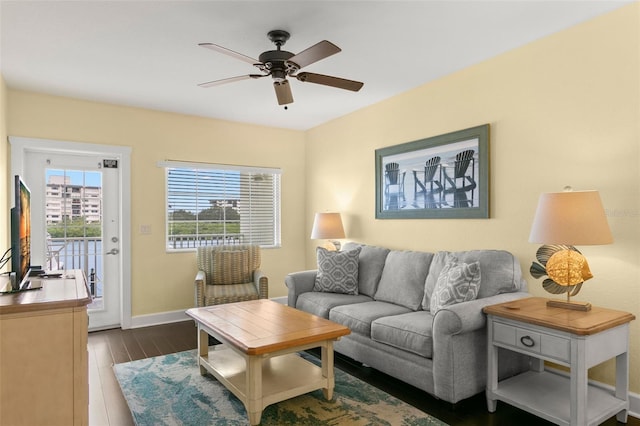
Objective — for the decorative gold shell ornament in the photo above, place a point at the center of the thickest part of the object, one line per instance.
(565, 267)
(568, 267)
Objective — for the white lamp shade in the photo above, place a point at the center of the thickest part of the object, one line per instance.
(570, 218)
(327, 226)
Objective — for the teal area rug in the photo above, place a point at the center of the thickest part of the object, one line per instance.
(169, 390)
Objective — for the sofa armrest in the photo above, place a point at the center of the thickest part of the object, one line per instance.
(460, 348)
(298, 283)
(200, 280)
(468, 316)
(262, 284)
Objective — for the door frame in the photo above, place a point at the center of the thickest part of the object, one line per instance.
(19, 148)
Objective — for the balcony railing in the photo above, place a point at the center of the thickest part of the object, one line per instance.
(84, 253)
(187, 241)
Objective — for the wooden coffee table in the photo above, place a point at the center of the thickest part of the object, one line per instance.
(257, 359)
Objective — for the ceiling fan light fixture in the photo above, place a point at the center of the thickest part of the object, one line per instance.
(279, 74)
(283, 92)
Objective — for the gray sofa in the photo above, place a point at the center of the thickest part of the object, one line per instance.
(393, 328)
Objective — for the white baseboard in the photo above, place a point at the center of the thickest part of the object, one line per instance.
(158, 319)
(634, 405)
(282, 299)
(174, 316)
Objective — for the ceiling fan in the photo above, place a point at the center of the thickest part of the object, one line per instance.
(280, 64)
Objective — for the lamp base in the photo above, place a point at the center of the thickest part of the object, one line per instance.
(331, 245)
(576, 306)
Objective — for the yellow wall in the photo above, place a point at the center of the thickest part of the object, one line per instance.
(163, 282)
(4, 173)
(564, 110)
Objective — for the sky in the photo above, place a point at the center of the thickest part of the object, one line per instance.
(78, 177)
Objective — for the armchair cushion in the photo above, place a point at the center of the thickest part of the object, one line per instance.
(230, 267)
(217, 294)
(239, 264)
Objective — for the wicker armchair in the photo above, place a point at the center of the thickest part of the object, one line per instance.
(229, 274)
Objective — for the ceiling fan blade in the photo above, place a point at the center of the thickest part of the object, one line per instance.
(283, 92)
(229, 52)
(230, 80)
(327, 80)
(314, 53)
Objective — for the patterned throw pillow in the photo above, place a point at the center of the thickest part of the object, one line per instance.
(457, 282)
(337, 271)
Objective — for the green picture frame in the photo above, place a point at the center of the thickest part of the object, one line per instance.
(440, 177)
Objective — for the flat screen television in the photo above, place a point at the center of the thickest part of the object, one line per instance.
(21, 236)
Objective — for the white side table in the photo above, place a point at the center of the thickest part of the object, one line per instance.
(574, 339)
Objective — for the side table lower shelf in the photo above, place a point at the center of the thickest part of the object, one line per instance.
(545, 394)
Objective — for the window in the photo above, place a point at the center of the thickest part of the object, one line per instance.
(215, 204)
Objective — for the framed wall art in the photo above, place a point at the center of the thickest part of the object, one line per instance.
(445, 176)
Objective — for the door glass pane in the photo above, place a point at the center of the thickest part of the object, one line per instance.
(74, 225)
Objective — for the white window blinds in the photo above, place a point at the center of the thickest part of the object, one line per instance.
(215, 204)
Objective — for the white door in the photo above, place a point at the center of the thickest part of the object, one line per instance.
(77, 214)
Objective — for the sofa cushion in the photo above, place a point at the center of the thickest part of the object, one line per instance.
(358, 317)
(403, 278)
(500, 272)
(320, 304)
(411, 332)
(337, 271)
(458, 282)
(370, 264)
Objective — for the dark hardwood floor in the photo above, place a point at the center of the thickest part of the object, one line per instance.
(108, 407)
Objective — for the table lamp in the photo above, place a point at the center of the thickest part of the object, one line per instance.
(328, 226)
(562, 220)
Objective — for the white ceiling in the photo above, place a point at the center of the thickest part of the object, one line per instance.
(146, 54)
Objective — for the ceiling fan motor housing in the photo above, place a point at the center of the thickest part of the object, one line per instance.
(275, 62)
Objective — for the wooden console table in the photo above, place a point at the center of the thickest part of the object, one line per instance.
(574, 339)
(44, 373)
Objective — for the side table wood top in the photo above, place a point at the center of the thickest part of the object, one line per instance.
(534, 310)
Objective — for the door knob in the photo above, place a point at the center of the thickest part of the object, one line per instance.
(113, 251)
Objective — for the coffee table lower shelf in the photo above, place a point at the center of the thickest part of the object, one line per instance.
(283, 376)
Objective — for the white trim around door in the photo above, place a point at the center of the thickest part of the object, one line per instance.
(19, 148)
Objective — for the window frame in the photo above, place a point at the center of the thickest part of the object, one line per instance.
(276, 200)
